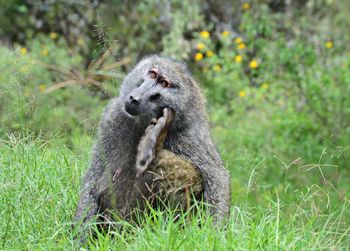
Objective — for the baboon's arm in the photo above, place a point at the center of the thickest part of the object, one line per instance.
(87, 205)
(216, 179)
(217, 189)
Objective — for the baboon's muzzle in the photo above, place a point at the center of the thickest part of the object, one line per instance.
(132, 105)
(141, 99)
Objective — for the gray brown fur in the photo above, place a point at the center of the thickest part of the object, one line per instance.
(111, 181)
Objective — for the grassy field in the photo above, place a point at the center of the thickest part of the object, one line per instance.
(39, 184)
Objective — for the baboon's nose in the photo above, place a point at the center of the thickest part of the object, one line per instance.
(131, 105)
(134, 100)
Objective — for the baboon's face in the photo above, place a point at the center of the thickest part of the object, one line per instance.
(154, 84)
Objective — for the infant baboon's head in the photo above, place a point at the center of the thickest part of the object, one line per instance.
(157, 83)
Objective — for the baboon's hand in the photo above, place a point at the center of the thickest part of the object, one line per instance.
(152, 141)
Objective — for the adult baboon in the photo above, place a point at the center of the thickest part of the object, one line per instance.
(115, 180)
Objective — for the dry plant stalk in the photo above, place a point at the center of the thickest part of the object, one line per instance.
(93, 76)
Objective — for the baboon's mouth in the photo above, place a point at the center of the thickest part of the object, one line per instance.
(131, 111)
(163, 113)
(160, 113)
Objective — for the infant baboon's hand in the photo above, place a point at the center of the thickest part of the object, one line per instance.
(152, 141)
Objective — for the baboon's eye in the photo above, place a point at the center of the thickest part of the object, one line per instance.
(152, 74)
(164, 83)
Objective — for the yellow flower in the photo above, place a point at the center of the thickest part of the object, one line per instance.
(217, 68)
(210, 53)
(53, 35)
(242, 94)
(265, 85)
(198, 56)
(200, 46)
(204, 34)
(238, 58)
(45, 52)
(23, 50)
(80, 41)
(42, 88)
(225, 33)
(238, 40)
(329, 44)
(241, 46)
(246, 6)
(253, 64)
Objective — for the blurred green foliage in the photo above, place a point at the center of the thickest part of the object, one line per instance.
(24, 79)
(277, 80)
(280, 98)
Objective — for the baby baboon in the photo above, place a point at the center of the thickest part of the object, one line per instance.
(171, 177)
(115, 180)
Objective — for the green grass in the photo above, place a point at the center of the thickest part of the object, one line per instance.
(39, 185)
